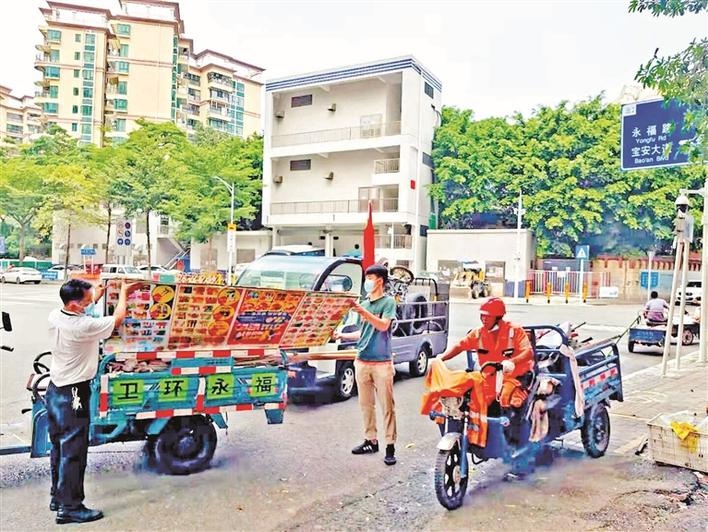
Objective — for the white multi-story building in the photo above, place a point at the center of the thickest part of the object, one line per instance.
(338, 139)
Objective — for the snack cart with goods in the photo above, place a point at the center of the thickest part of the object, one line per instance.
(186, 355)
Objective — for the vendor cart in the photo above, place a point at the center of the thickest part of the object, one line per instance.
(656, 335)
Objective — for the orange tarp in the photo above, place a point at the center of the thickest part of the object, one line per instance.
(442, 382)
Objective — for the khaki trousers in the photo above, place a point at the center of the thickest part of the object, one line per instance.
(375, 380)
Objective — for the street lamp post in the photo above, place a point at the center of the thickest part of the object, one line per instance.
(231, 233)
(703, 332)
(517, 259)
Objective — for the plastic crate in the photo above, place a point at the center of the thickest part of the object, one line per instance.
(667, 448)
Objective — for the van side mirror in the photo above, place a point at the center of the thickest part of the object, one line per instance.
(6, 322)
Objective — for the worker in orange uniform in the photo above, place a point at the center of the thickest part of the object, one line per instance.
(500, 341)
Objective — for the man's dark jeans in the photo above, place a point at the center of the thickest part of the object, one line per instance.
(68, 414)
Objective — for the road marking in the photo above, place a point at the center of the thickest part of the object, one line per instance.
(632, 444)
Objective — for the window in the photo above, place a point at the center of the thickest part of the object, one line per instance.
(85, 129)
(77, 37)
(122, 66)
(120, 104)
(123, 29)
(54, 35)
(123, 52)
(90, 38)
(50, 108)
(88, 92)
(74, 125)
(51, 72)
(53, 91)
(87, 74)
(301, 101)
(428, 89)
(75, 109)
(122, 87)
(13, 128)
(86, 110)
(119, 124)
(427, 160)
(89, 57)
(240, 89)
(77, 73)
(301, 164)
(54, 56)
(76, 91)
(77, 56)
(14, 116)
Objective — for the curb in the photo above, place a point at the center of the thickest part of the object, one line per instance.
(689, 361)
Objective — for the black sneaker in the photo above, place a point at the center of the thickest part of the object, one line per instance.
(367, 447)
(77, 515)
(53, 506)
(390, 457)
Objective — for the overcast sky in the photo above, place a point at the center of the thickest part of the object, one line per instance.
(494, 56)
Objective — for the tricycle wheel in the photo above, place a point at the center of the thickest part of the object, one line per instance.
(595, 432)
(630, 346)
(186, 445)
(346, 382)
(450, 487)
(687, 337)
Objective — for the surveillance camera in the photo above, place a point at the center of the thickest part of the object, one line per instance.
(682, 203)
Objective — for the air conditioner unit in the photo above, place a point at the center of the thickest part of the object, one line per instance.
(278, 179)
(280, 114)
(329, 176)
(332, 107)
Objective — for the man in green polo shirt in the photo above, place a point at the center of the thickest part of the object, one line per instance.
(374, 362)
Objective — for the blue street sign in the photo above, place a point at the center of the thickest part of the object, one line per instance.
(643, 279)
(88, 251)
(50, 276)
(652, 134)
(3, 248)
(582, 252)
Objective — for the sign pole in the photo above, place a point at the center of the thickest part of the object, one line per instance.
(651, 257)
(682, 308)
(703, 334)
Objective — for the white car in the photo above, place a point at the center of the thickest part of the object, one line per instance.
(21, 275)
(120, 271)
(694, 293)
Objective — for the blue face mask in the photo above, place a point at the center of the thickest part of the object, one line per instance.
(92, 311)
(369, 286)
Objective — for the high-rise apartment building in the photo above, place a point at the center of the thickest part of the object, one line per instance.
(101, 72)
(20, 118)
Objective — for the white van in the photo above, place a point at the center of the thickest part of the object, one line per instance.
(120, 271)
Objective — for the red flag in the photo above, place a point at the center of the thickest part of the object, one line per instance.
(369, 244)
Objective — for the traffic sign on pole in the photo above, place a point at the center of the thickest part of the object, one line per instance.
(652, 134)
(582, 252)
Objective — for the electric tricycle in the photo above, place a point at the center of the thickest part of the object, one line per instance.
(567, 391)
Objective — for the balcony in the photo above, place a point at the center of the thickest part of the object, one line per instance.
(395, 242)
(334, 206)
(192, 109)
(193, 98)
(339, 134)
(45, 58)
(221, 82)
(220, 112)
(387, 166)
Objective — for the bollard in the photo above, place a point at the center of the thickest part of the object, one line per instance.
(567, 292)
(548, 292)
(528, 290)
(585, 292)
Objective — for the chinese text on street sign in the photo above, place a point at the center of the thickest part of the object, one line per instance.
(652, 135)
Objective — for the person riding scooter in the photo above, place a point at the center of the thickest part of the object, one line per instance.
(499, 341)
(655, 310)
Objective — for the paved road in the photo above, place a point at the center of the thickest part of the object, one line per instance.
(296, 475)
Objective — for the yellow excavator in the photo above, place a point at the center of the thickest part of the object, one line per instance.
(470, 274)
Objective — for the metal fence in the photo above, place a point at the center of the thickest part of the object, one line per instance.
(342, 133)
(334, 206)
(558, 280)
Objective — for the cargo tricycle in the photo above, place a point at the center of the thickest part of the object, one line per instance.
(568, 390)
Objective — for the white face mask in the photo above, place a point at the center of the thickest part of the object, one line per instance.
(369, 286)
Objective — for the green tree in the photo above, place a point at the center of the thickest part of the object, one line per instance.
(682, 76)
(154, 172)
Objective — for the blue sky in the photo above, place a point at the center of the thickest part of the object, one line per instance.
(495, 57)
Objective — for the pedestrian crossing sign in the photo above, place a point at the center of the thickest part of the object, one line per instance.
(582, 252)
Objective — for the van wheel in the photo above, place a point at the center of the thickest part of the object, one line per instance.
(595, 432)
(346, 382)
(419, 366)
(687, 337)
(630, 346)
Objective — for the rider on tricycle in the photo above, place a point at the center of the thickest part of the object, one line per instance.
(524, 390)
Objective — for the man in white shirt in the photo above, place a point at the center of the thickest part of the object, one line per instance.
(655, 309)
(74, 364)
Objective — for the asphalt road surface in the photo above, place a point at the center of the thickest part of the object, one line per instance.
(298, 475)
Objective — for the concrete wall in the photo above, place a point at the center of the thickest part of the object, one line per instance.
(248, 243)
(481, 245)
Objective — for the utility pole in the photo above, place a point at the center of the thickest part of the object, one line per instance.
(517, 258)
(231, 233)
